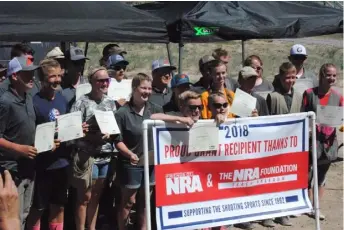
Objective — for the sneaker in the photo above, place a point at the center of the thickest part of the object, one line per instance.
(321, 216)
(268, 223)
(284, 221)
(247, 225)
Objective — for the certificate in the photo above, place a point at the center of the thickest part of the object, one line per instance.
(106, 122)
(243, 104)
(120, 90)
(330, 115)
(301, 85)
(82, 89)
(203, 137)
(69, 126)
(44, 137)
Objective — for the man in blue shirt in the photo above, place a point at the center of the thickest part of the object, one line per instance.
(51, 182)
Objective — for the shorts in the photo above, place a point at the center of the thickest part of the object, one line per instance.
(51, 187)
(100, 170)
(132, 177)
(322, 171)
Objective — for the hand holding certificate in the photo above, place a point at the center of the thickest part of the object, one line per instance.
(107, 122)
(243, 104)
(203, 137)
(70, 126)
(120, 90)
(330, 115)
(44, 137)
(82, 89)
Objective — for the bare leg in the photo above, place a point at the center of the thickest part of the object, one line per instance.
(81, 207)
(127, 202)
(93, 206)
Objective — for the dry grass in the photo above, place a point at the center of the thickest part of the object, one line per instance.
(272, 52)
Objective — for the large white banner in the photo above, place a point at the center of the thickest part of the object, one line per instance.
(258, 170)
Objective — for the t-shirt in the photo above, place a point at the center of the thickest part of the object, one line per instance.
(265, 86)
(87, 106)
(206, 113)
(47, 111)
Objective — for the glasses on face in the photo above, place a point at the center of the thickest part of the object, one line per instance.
(220, 105)
(298, 57)
(195, 107)
(118, 67)
(258, 68)
(102, 81)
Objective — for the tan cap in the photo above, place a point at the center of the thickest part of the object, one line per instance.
(205, 59)
(55, 53)
(247, 72)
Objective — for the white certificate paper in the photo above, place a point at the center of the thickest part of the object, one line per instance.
(44, 137)
(301, 85)
(330, 115)
(243, 104)
(106, 122)
(118, 90)
(203, 137)
(69, 126)
(82, 89)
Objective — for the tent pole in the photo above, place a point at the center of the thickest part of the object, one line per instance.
(86, 49)
(169, 53)
(242, 52)
(180, 57)
(63, 47)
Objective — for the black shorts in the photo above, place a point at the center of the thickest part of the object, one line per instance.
(51, 187)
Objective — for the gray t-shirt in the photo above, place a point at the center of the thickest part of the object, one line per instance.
(266, 86)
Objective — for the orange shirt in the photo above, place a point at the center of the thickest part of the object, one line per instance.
(206, 113)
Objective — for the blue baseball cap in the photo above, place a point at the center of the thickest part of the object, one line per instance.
(115, 60)
(179, 79)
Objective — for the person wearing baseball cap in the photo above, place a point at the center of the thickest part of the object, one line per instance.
(75, 64)
(109, 50)
(2, 73)
(58, 55)
(179, 84)
(17, 130)
(161, 72)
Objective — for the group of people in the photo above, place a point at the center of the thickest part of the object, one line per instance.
(98, 162)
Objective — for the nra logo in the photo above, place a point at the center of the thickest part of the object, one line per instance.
(246, 174)
(183, 184)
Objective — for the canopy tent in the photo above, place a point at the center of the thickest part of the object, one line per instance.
(79, 21)
(213, 21)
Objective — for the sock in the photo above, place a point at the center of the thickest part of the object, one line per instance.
(55, 226)
(36, 227)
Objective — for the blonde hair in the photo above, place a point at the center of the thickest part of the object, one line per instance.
(45, 65)
(187, 95)
(93, 70)
(213, 95)
(323, 68)
(140, 77)
(283, 69)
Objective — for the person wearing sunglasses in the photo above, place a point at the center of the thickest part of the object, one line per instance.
(162, 75)
(116, 66)
(93, 152)
(2, 73)
(218, 106)
(261, 84)
(218, 73)
(179, 84)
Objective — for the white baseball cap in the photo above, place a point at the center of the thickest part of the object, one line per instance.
(55, 53)
(298, 50)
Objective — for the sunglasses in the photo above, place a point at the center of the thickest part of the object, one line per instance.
(119, 67)
(195, 107)
(107, 80)
(219, 105)
(298, 57)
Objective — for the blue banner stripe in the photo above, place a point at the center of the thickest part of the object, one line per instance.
(289, 199)
(175, 214)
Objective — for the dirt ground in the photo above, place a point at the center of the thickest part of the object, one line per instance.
(331, 205)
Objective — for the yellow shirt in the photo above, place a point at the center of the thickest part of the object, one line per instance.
(206, 113)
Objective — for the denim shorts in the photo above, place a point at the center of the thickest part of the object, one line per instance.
(100, 170)
(132, 177)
